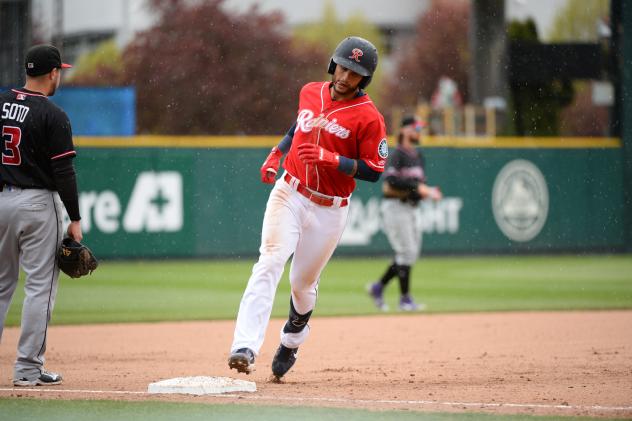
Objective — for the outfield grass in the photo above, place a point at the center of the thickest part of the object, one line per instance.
(211, 289)
(33, 409)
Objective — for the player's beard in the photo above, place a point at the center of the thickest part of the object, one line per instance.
(343, 89)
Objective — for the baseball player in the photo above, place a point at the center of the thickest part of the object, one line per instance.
(36, 176)
(338, 136)
(404, 187)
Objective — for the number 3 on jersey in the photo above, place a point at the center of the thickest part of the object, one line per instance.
(11, 137)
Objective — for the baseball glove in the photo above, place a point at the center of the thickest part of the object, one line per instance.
(75, 259)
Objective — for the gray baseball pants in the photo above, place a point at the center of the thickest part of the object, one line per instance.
(402, 227)
(30, 234)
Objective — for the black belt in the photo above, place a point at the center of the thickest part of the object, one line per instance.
(3, 185)
(10, 187)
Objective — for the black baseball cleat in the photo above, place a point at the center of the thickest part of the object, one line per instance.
(242, 360)
(283, 360)
(46, 378)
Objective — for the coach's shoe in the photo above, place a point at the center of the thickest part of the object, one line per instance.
(406, 303)
(376, 291)
(242, 360)
(283, 360)
(46, 378)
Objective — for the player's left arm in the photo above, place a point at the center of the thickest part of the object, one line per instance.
(61, 153)
(357, 168)
(372, 154)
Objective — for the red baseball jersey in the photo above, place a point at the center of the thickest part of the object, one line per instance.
(353, 128)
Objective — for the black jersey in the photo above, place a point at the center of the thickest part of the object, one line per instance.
(405, 171)
(35, 132)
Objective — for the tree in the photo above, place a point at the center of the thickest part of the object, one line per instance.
(327, 33)
(203, 70)
(579, 21)
(100, 67)
(536, 105)
(439, 48)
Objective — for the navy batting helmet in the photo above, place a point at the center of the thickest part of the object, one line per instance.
(355, 54)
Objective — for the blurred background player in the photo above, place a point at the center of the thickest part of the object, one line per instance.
(36, 176)
(338, 136)
(404, 187)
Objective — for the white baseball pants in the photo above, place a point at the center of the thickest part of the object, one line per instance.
(292, 224)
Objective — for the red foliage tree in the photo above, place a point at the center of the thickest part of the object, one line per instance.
(202, 70)
(438, 49)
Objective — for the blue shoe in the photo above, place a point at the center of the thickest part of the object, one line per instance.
(406, 303)
(376, 291)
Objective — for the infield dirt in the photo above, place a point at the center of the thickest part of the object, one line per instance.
(562, 363)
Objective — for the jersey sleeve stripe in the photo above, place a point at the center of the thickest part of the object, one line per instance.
(61, 155)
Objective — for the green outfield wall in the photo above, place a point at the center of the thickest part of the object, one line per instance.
(200, 197)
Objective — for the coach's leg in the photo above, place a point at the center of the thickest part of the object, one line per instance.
(40, 239)
(280, 233)
(10, 267)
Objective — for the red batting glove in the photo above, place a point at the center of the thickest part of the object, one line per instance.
(309, 153)
(271, 165)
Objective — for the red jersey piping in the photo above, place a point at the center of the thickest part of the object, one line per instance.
(61, 155)
(28, 93)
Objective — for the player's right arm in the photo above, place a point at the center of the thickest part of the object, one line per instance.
(394, 178)
(396, 185)
(271, 165)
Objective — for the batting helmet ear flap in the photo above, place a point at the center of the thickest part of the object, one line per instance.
(332, 67)
(363, 83)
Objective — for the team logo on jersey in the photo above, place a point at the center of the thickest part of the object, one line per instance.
(520, 200)
(20, 97)
(356, 53)
(382, 149)
(306, 122)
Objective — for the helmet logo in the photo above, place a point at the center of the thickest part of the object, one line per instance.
(356, 53)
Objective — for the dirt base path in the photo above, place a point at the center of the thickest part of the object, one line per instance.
(570, 363)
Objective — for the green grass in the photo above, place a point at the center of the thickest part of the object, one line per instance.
(211, 289)
(33, 409)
